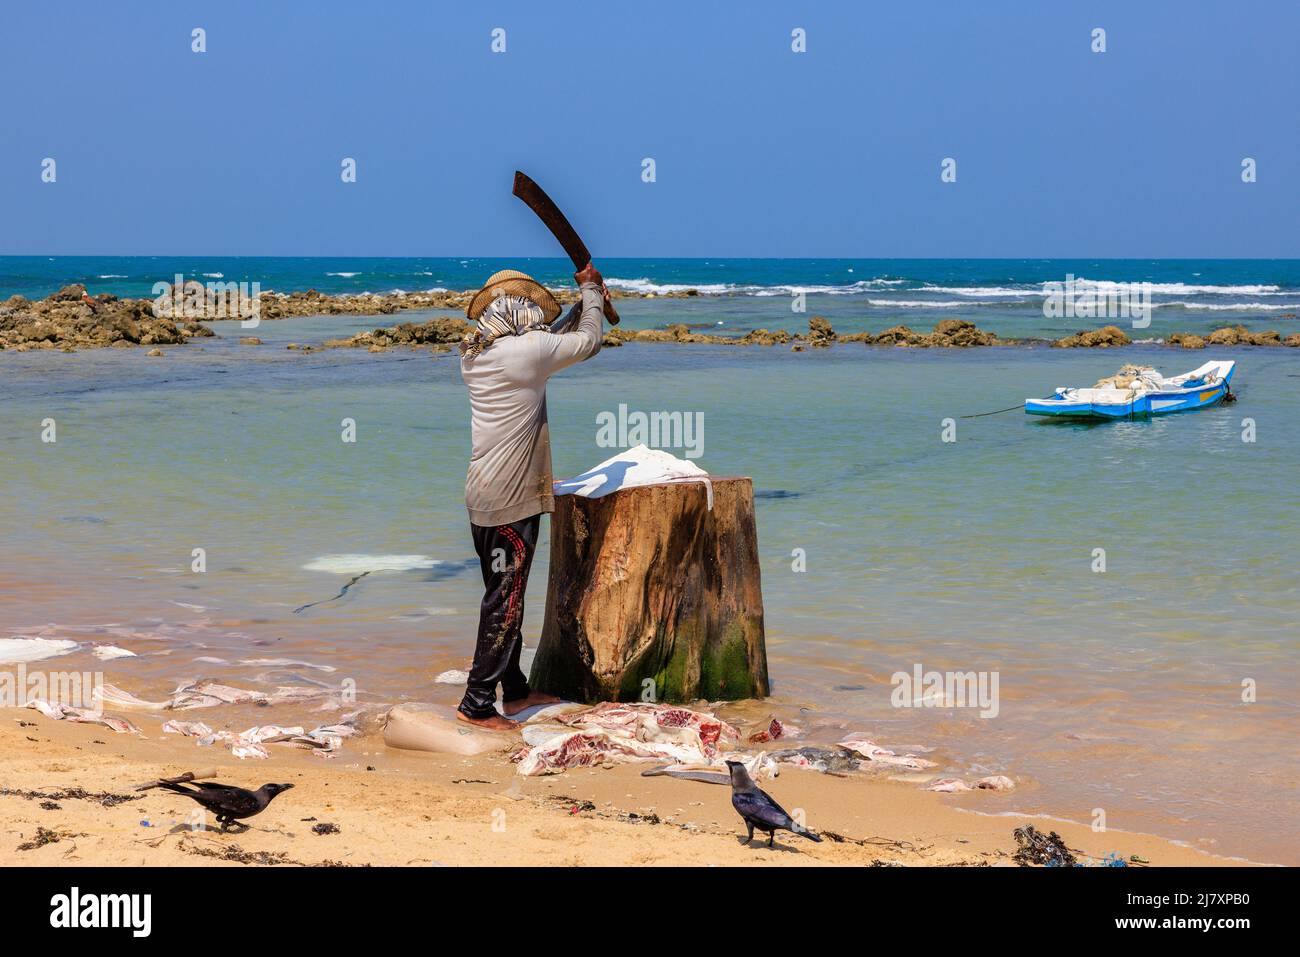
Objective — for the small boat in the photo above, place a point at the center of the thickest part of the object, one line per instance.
(1137, 391)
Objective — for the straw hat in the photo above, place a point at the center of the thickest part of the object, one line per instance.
(512, 282)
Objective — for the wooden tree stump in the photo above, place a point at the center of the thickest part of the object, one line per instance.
(648, 583)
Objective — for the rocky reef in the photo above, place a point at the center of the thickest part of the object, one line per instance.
(1234, 336)
(71, 318)
(1106, 337)
(439, 334)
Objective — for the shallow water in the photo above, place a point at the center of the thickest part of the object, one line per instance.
(1118, 690)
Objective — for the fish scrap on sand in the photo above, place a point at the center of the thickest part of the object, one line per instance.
(695, 745)
(686, 743)
(322, 741)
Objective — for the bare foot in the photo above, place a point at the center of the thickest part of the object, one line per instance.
(534, 698)
(494, 723)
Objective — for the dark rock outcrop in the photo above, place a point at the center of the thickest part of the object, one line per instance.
(959, 333)
(1104, 338)
(439, 334)
(820, 333)
(1241, 336)
(899, 336)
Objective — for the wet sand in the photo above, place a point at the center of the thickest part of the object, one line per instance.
(402, 808)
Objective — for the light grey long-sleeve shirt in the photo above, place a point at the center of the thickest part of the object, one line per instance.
(510, 466)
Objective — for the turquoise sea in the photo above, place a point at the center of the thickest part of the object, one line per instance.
(1004, 295)
(1119, 689)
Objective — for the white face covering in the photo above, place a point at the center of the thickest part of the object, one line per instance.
(506, 316)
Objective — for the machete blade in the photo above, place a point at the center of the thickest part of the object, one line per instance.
(535, 198)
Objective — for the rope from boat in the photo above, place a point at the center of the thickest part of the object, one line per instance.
(998, 412)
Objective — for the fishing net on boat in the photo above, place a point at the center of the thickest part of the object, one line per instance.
(1131, 377)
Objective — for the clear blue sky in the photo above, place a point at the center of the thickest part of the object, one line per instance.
(760, 151)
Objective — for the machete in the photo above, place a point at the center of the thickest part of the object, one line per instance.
(541, 204)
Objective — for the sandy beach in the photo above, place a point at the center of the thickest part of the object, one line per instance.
(400, 808)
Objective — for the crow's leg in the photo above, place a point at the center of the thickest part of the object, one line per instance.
(771, 836)
(749, 838)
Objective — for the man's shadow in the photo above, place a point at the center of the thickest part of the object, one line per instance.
(596, 483)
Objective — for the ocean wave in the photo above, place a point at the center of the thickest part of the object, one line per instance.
(111, 275)
(1228, 307)
(985, 290)
(1180, 289)
(215, 275)
(1082, 288)
(932, 304)
(648, 286)
(345, 275)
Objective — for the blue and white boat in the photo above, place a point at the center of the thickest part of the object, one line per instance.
(1138, 391)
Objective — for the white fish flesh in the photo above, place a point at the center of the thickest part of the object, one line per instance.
(859, 744)
(191, 729)
(62, 712)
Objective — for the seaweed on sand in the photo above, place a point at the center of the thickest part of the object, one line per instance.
(45, 835)
(1048, 850)
(102, 798)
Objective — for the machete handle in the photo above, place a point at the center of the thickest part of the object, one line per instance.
(611, 314)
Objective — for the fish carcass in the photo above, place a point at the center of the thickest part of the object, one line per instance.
(613, 731)
(861, 745)
(204, 694)
(62, 712)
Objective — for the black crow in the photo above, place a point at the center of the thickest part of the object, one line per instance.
(227, 802)
(759, 810)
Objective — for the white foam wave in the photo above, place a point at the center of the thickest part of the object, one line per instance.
(1081, 287)
(355, 564)
(984, 290)
(647, 286)
(930, 303)
(1220, 307)
(345, 275)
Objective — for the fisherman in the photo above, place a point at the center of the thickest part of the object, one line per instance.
(505, 361)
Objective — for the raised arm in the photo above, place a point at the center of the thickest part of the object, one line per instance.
(561, 350)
